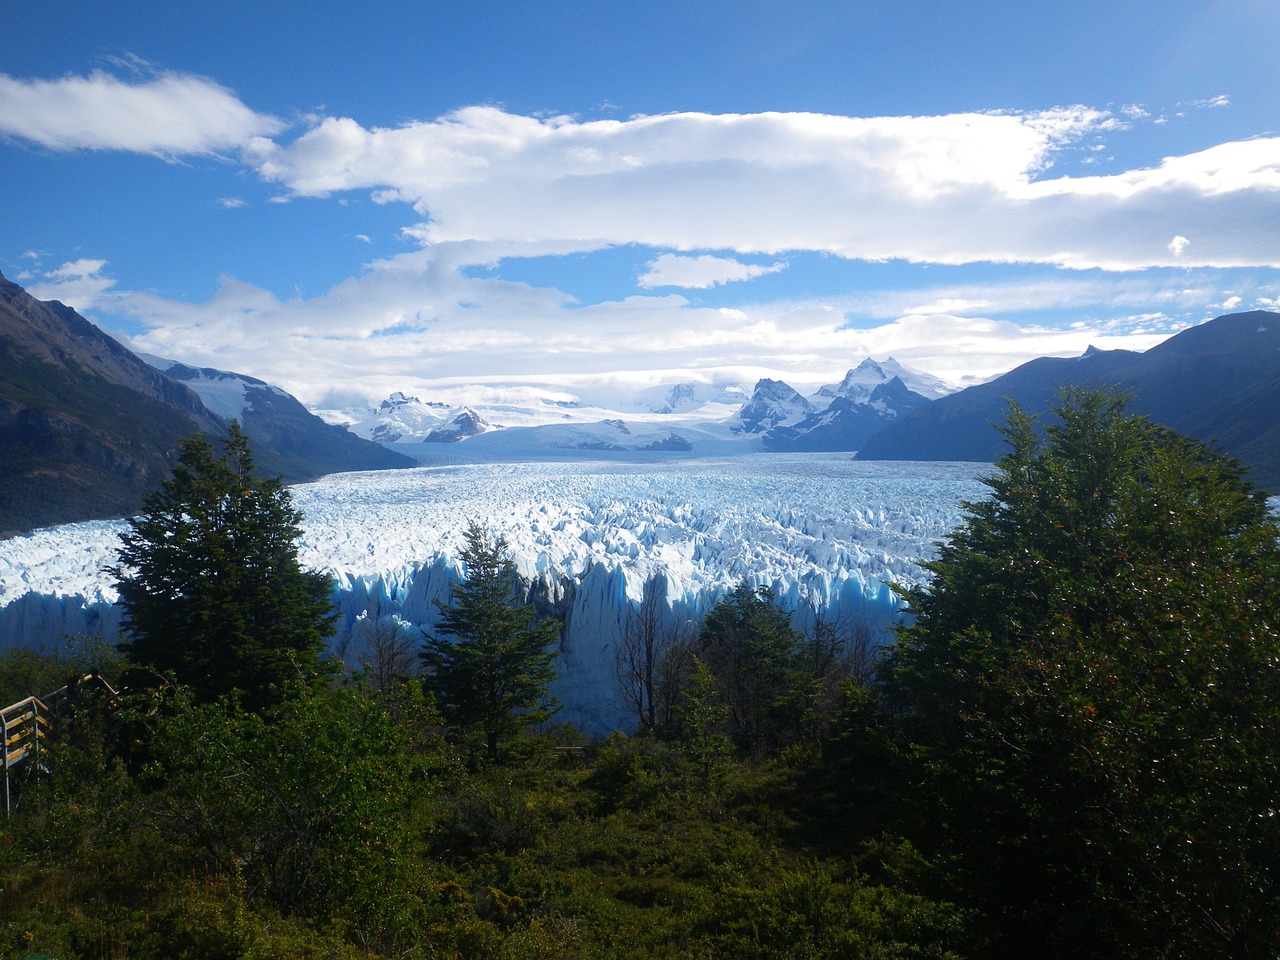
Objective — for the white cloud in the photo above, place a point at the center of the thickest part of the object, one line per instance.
(1178, 245)
(671, 270)
(949, 189)
(416, 322)
(231, 203)
(79, 284)
(171, 113)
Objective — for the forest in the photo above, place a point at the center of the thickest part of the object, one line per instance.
(1070, 749)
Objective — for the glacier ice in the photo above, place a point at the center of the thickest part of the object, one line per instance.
(826, 533)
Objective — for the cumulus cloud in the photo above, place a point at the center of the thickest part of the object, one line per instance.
(672, 270)
(168, 114)
(418, 322)
(952, 189)
(80, 284)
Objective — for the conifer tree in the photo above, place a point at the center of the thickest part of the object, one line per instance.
(210, 581)
(491, 661)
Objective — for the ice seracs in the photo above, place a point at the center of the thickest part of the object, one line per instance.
(827, 534)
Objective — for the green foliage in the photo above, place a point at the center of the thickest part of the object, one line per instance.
(748, 644)
(301, 808)
(1093, 684)
(26, 673)
(491, 661)
(210, 582)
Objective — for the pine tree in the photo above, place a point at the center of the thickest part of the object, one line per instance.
(491, 661)
(210, 581)
(1092, 683)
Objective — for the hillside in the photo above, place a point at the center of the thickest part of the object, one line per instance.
(1218, 382)
(87, 427)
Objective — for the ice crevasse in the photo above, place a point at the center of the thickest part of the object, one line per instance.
(828, 535)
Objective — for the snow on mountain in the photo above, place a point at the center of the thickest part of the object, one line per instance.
(401, 418)
(859, 383)
(826, 533)
(465, 423)
(772, 404)
(229, 395)
(668, 406)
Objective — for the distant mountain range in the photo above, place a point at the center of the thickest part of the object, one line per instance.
(1218, 382)
(693, 417)
(87, 427)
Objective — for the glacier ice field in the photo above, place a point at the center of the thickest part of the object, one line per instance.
(826, 533)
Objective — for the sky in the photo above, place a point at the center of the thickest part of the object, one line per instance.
(456, 199)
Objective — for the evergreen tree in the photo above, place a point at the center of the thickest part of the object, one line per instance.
(491, 661)
(210, 582)
(1092, 683)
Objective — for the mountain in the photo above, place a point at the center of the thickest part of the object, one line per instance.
(466, 423)
(772, 403)
(1218, 382)
(287, 438)
(860, 382)
(704, 417)
(846, 423)
(87, 427)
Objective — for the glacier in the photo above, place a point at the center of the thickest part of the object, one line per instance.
(827, 534)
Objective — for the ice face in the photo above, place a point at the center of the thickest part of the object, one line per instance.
(827, 534)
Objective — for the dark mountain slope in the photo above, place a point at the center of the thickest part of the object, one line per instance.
(288, 439)
(1218, 382)
(87, 427)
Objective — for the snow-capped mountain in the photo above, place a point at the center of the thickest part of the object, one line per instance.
(466, 423)
(287, 438)
(859, 383)
(701, 417)
(825, 533)
(847, 423)
(773, 403)
(401, 418)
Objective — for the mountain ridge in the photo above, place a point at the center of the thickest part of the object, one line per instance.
(1217, 382)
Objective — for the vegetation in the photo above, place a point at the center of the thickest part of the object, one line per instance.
(1071, 752)
(210, 583)
(491, 661)
(1091, 687)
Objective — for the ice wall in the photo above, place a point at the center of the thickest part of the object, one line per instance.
(825, 533)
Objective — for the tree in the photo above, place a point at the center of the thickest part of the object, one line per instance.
(649, 665)
(748, 644)
(491, 661)
(210, 581)
(1092, 683)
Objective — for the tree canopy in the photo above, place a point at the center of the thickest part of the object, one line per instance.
(1092, 686)
(210, 581)
(491, 660)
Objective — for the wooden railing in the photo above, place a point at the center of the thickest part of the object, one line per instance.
(26, 724)
(29, 724)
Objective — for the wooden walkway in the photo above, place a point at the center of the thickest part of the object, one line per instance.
(29, 724)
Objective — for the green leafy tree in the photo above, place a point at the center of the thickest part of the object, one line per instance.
(1092, 685)
(748, 643)
(210, 581)
(491, 660)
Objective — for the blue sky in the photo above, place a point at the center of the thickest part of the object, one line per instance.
(351, 199)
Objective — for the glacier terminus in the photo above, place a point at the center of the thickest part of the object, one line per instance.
(827, 534)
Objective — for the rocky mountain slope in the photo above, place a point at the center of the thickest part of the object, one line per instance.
(87, 427)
